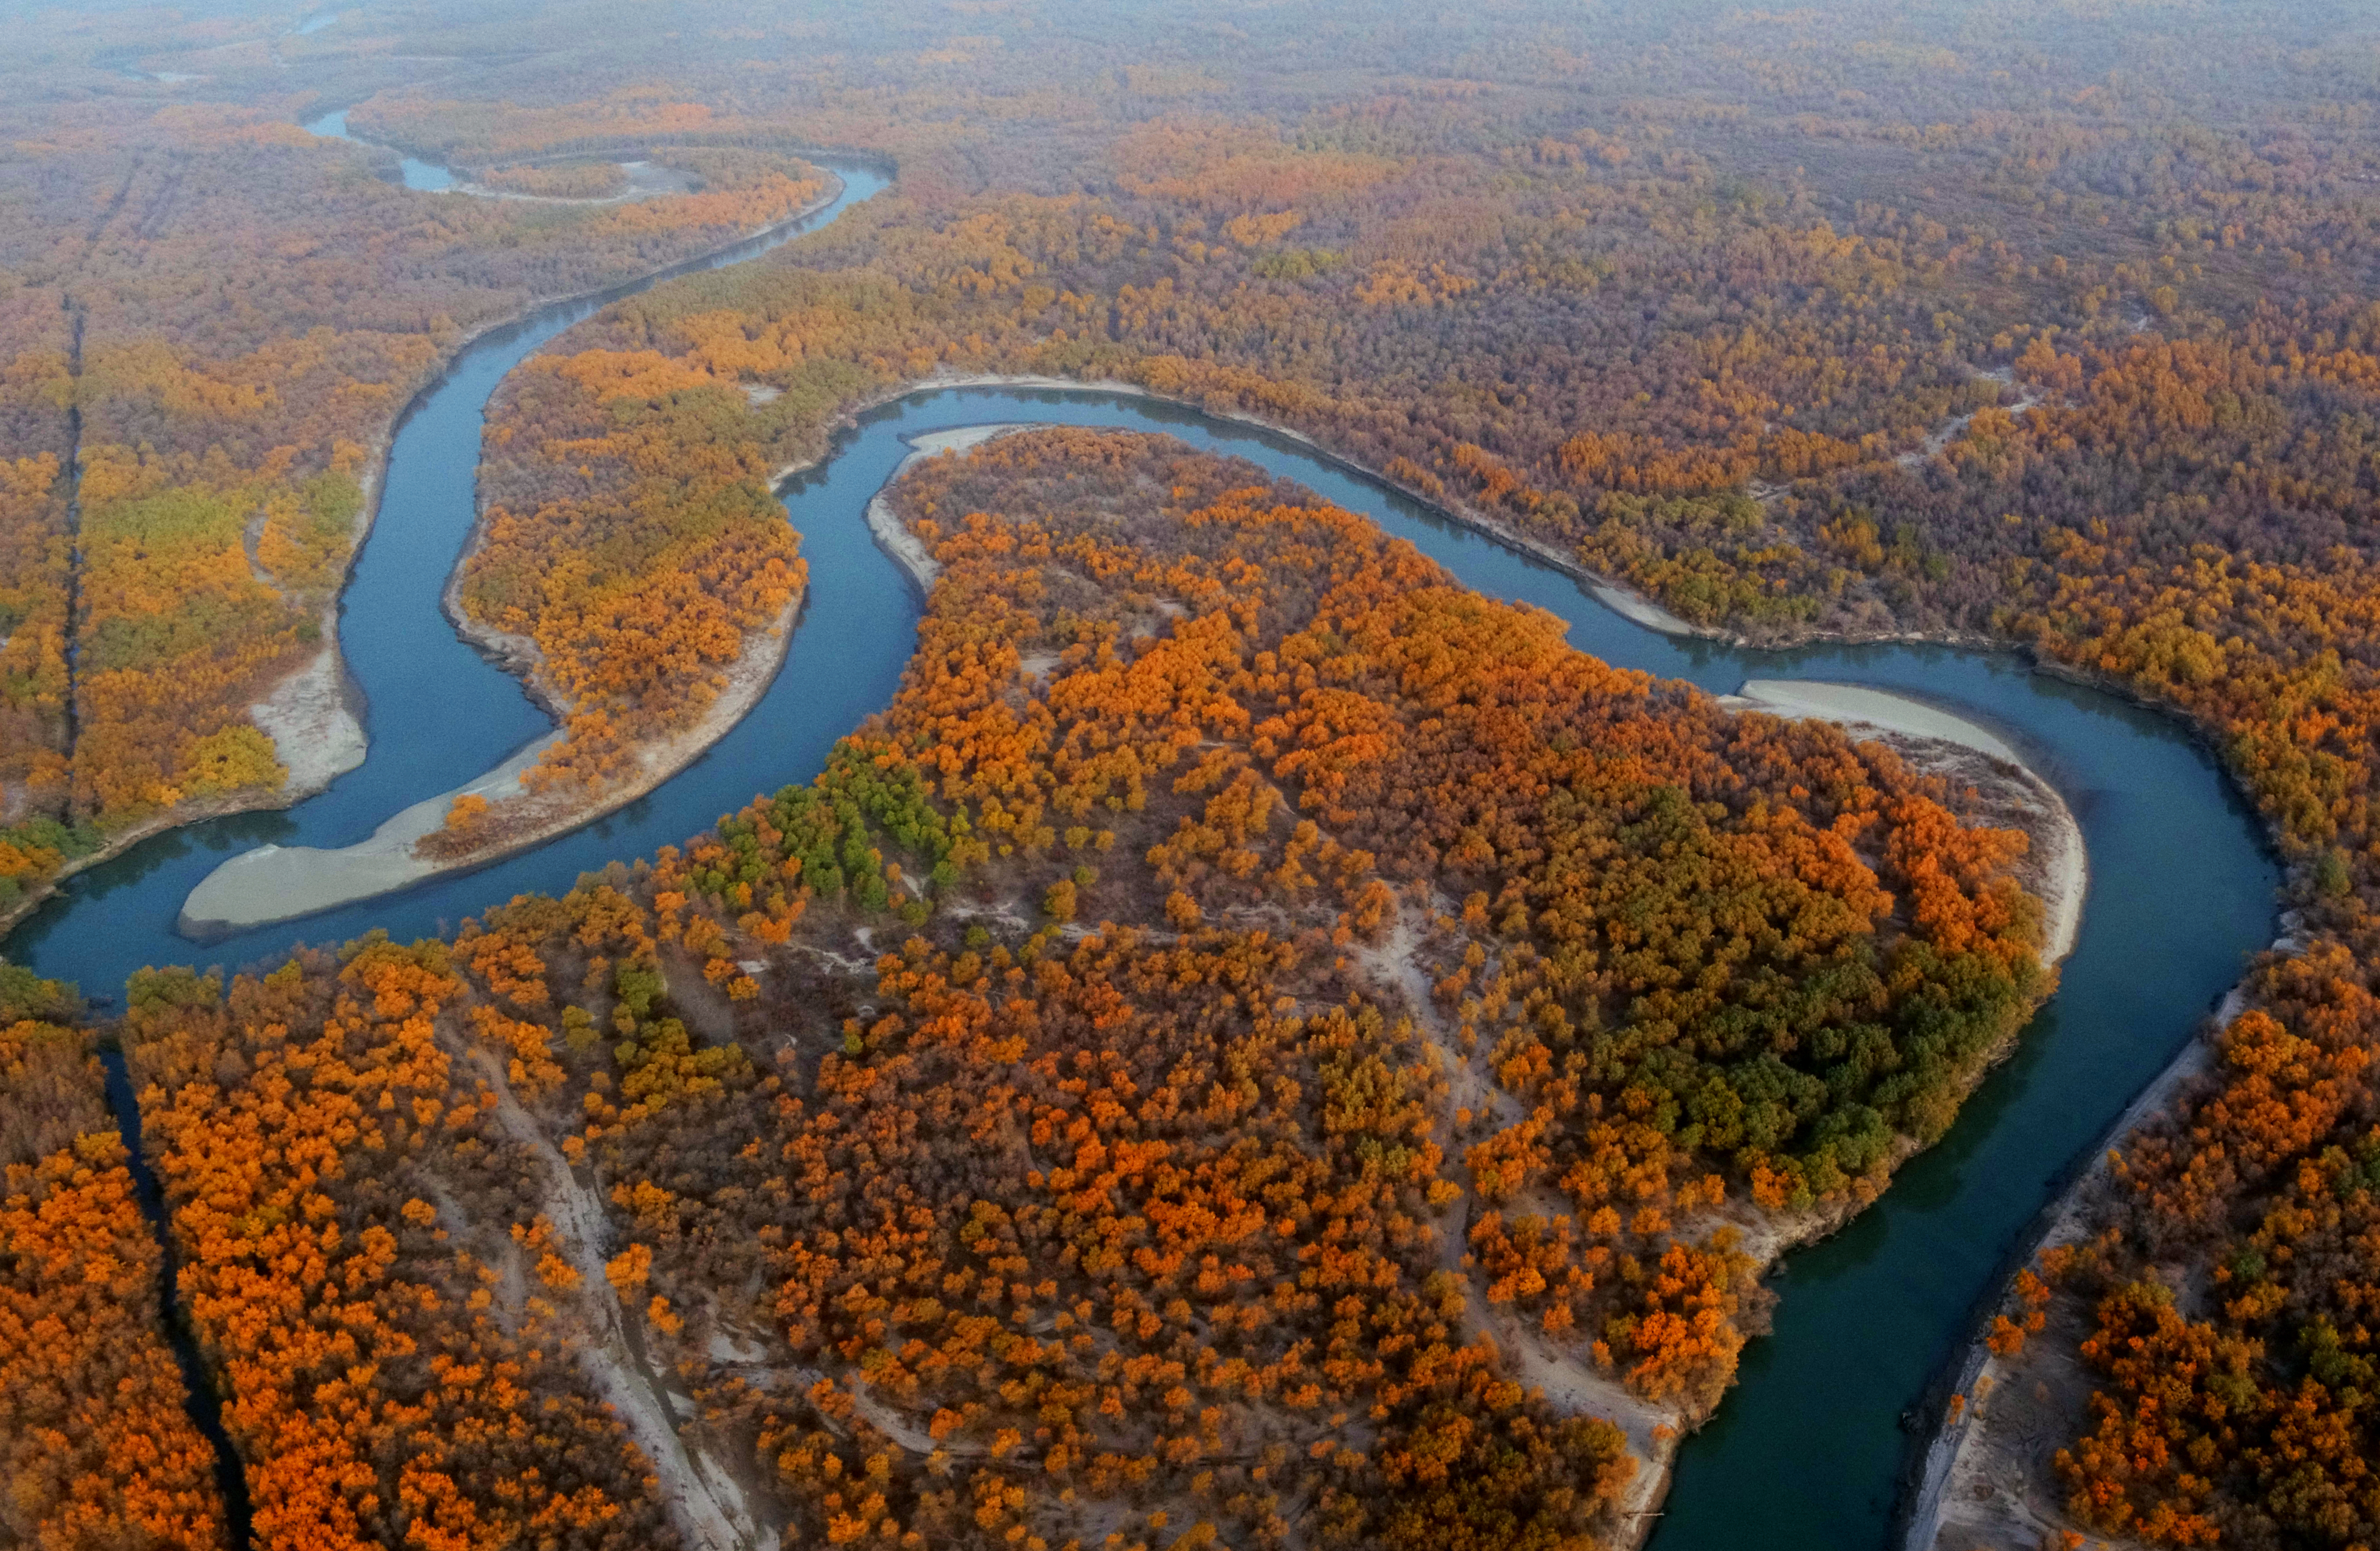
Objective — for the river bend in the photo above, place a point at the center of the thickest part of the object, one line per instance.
(1809, 1445)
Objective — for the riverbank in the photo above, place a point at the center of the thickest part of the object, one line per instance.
(1612, 594)
(647, 180)
(315, 716)
(907, 550)
(1988, 1478)
(2057, 872)
(274, 882)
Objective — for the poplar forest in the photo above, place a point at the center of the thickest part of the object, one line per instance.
(1256, 1044)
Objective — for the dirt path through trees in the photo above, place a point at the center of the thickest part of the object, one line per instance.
(704, 1499)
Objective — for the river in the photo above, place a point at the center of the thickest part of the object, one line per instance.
(1805, 1452)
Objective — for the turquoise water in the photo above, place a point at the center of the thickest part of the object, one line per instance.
(427, 177)
(1806, 1451)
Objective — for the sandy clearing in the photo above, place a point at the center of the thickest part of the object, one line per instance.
(1570, 1382)
(965, 439)
(2059, 870)
(310, 716)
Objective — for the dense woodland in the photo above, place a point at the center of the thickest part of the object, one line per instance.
(96, 1450)
(2043, 325)
(1793, 349)
(1247, 1014)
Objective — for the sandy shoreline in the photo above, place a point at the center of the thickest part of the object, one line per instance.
(276, 883)
(320, 705)
(1988, 1478)
(907, 550)
(313, 718)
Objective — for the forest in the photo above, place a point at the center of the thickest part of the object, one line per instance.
(96, 1445)
(1308, 998)
(1323, 898)
(2056, 378)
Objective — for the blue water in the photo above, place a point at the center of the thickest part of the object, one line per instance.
(427, 177)
(1805, 1451)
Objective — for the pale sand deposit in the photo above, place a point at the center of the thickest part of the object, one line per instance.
(274, 882)
(1800, 699)
(279, 883)
(318, 736)
(310, 718)
(1638, 609)
(896, 540)
(2057, 871)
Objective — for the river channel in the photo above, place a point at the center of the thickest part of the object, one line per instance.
(1806, 1451)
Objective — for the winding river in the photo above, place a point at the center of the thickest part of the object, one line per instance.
(1807, 1450)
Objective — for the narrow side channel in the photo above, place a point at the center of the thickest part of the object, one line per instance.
(199, 1397)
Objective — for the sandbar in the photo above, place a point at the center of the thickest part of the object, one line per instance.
(280, 883)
